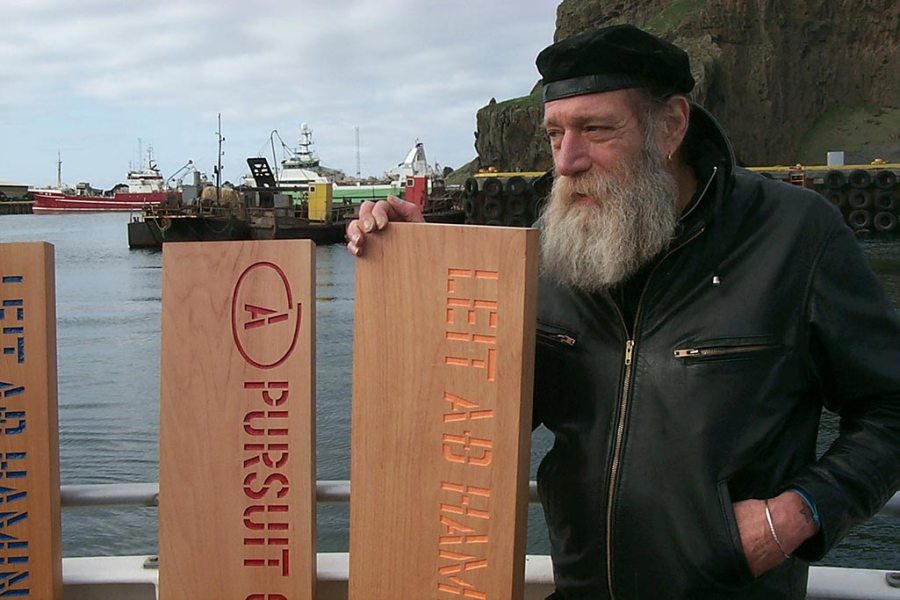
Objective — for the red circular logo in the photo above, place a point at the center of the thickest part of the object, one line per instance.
(265, 322)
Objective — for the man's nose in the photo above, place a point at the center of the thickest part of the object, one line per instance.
(571, 157)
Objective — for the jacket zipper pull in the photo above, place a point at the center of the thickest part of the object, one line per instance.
(685, 352)
(629, 348)
(566, 339)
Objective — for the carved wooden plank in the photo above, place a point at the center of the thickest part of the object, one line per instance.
(237, 452)
(30, 539)
(442, 381)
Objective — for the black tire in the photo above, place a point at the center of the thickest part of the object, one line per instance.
(859, 219)
(837, 197)
(885, 201)
(835, 180)
(493, 187)
(471, 186)
(518, 205)
(885, 222)
(885, 180)
(470, 207)
(542, 185)
(516, 186)
(493, 209)
(859, 179)
(859, 199)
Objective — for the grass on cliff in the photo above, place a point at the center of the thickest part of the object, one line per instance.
(672, 15)
(535, 98)
(862, 132)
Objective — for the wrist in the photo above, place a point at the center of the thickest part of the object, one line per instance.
(792, 520)
(810, 504)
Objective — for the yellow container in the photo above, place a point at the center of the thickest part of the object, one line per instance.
(319, 200)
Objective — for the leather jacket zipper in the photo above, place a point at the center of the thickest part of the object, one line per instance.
(719, 351)
(558, 338)
(621, 415)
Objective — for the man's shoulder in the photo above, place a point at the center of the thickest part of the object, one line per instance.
(784, 201)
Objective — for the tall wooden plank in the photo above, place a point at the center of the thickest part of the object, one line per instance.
(442, 381)
(30, 539)
(237, 419)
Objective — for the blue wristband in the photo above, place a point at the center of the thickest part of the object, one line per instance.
(810, 503)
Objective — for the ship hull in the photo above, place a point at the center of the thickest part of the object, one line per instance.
(56, 202)
(152, 231)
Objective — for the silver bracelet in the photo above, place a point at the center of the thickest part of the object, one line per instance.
(772, 529)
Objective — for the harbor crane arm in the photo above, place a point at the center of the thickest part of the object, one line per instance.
(180, 173)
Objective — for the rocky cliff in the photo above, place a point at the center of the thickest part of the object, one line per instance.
(788, 79)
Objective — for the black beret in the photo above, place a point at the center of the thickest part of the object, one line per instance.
(613, 58)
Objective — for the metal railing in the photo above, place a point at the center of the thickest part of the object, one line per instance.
(327, 492)
(99, 573)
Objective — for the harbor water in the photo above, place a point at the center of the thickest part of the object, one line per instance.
(108, 310)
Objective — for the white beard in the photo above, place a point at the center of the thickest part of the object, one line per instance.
(632, 218)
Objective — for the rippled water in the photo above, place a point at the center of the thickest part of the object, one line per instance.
(108, 300)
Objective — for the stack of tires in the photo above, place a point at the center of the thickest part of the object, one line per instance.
(512, 201)
(869, 199)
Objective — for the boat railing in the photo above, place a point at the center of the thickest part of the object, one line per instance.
(136, 577)
(335, 491)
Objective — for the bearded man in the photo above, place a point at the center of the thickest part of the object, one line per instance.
(693, 321)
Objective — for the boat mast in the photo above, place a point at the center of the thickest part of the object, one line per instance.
(357, 154)
(58, 169)
(219, 165)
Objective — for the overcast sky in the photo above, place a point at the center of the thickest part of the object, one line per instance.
(89, 78)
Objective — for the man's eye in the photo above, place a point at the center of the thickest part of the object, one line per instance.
(554, 133)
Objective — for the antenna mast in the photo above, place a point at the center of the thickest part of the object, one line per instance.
(219, 164)
(58, 169)
(357, 153)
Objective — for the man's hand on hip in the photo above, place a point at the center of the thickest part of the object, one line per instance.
(792, 524)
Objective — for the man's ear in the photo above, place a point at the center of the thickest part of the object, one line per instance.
(674, 124)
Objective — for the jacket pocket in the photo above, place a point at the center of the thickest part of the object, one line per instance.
(555, 336)
(738, 564)
(727, 349)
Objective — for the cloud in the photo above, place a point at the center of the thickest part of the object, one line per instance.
(398, 69)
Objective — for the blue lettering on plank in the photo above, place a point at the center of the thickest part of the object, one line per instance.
(14, 556)
(18, 347)
(8, 519)
(12, 422)
(8, 494)
(8, 389)
(5, 471)
(17, 303)
(9, 579)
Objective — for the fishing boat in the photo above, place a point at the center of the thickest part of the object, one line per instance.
(143, 187)
(297, 200)
(301, 167)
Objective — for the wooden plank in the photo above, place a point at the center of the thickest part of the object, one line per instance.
(30, 538)
(237, 420)
(442, 381)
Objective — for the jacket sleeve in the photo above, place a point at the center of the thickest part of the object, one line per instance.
(854, 350)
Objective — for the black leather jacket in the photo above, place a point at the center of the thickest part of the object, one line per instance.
(713, 394)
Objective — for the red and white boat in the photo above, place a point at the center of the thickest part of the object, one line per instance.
(145, 188)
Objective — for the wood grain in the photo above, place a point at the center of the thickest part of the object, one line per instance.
(237, 452)
(30, 547)
(442, 382)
